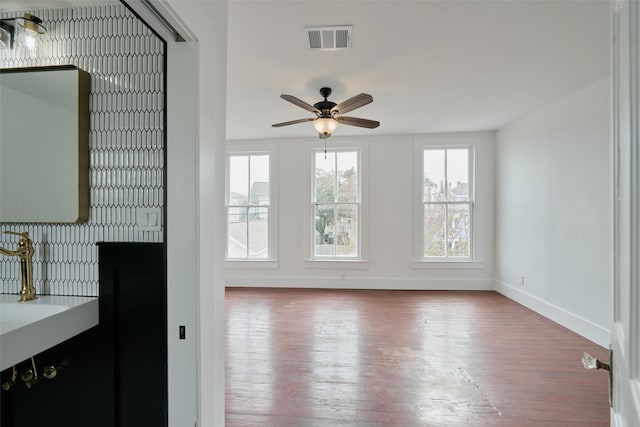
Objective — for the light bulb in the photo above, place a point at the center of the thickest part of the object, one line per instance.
(28, 40)
(325, 126)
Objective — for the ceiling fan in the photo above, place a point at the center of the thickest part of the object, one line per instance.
(329, 114)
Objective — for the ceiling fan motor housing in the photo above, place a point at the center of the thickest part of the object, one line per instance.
(325, 106)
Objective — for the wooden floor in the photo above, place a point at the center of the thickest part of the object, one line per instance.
(403, 358)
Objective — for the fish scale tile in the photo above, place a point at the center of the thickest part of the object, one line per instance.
(126, 63)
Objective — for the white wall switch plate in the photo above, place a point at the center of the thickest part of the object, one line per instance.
(149, 219)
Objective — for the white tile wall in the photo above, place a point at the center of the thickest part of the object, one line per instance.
(126, 64)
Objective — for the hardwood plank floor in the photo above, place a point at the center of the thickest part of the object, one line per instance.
(403, 358)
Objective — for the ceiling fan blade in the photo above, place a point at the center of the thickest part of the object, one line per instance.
(355, 121)
(300, 103)
(293, 122)
(353, 103)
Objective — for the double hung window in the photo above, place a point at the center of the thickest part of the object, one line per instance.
(336, 204)
(249, 209)
(447, 202)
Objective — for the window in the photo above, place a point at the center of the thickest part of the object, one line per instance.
(336, 205)
(249, 211)
(447, 202)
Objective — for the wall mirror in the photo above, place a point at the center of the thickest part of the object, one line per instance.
(44, 145)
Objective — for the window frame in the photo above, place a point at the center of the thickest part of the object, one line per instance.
(451, 142)
(360, 260)
(271, 261)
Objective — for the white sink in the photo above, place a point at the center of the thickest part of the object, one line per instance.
(28, 328)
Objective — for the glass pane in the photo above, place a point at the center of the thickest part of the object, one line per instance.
(237, 232)
(434, 230)
(347, 176)
(458, 174)
(258, 232)
(259, 180)
(458, 230)
(434, 178)
(238, 180)
(325, 177)
(347, 231)
(324, 241)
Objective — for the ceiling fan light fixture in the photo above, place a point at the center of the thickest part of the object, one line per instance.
(325, 126)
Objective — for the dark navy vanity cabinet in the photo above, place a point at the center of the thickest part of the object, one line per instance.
(114, 374)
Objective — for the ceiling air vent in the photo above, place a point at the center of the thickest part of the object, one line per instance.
(329, 38)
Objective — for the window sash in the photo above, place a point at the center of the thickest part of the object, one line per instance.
(249, 193)
(336, 178)
(249, 225)
(341, 241)
(460, 236)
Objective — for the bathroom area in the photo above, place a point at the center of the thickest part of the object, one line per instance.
(83, 271)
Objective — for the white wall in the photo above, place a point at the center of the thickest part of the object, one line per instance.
(390, 233)
(552, 211)
(198, 179)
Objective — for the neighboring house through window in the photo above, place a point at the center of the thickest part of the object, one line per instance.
(249, 206)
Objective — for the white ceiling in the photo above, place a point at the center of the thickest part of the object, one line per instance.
(431, 66)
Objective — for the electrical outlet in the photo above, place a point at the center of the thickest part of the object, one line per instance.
(521, 281)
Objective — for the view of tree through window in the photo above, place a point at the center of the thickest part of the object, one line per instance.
(447, 203)
(337, 204)
(248, 206)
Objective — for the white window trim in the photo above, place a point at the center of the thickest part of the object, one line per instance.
(256, 149)
(337, 144)
(448, 141)
(250, 264)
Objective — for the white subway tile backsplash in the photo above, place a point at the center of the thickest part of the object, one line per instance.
(126, 140)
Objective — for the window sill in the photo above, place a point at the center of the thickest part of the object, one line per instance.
(347, 264)
(448, 265)
(266, 264)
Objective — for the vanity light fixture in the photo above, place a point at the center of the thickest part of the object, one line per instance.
(22, 32)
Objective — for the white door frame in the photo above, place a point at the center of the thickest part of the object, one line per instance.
(625, 333)
(196, 222)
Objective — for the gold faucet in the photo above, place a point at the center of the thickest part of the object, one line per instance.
(25, 253)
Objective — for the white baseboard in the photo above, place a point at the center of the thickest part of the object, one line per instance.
(579, 325)
(340, 282)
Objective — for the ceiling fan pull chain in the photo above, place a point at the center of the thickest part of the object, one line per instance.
(325, 149)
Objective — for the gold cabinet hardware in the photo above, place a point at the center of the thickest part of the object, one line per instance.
(49, 372)
(6, 386)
